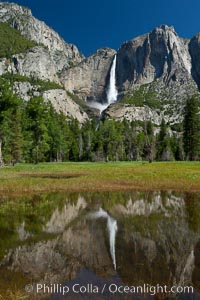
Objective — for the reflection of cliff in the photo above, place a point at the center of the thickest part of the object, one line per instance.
(157, 239)
(82, 243)
(87, 242)
(164, 257)
(152, 203)
(156, 242)
(196, 273)
(60, 219)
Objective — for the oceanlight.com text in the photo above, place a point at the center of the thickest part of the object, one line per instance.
(111, 288)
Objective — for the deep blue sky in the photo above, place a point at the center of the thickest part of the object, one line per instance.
(92, 24)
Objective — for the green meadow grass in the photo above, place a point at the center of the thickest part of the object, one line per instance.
(74, 177)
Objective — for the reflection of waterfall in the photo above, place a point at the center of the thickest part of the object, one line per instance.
(101, 213)
(112, 230)
(112, 90)
(22, 232)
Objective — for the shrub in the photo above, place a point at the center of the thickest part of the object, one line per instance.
(12, 42)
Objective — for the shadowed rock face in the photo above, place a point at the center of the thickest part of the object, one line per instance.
(194, 48)
(89, 79)
(160, 64)
(161, 53)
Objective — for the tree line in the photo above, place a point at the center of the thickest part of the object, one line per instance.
(34, 132)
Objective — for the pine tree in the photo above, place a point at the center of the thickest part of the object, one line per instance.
(149, 146)
(163, 144)
(73, 140)
(10, 123)
(17, 138)
(191, 136)
(38, 114)
(57, 129)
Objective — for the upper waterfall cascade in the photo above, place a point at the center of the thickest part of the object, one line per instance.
(112, 90)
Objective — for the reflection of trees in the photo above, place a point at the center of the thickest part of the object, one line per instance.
(192, 203)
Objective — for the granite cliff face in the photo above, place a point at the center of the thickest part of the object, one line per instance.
(44, 61)
(89, 79)
(166, 66)
(160, 62)
(158, 54)
(35, 63)
(62, 54)
(194, 49)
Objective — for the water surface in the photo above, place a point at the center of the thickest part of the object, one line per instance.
(122, 238)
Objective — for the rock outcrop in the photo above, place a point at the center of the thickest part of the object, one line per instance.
(62, 54)
(89, 79)
(130, 112)
(194, 48)
(44, 61)
(59, 99)
(160, 53)
(63, 103)
(35, 63)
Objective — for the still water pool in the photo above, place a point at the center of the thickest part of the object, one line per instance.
(108, 245)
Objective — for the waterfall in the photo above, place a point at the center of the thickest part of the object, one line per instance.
(112, 90)
(112, 230)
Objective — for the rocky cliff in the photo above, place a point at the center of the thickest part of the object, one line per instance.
(35, 63)
(194, 49)
(62, 53)
(42, 62)
(166, 66)
(89, 79)
(158, 54)
(163, 64)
